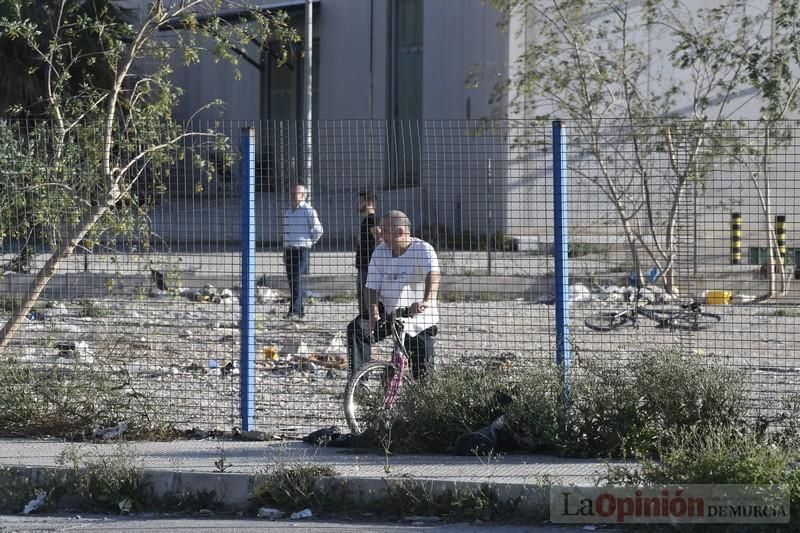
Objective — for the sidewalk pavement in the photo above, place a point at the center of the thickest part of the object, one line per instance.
(188, 465)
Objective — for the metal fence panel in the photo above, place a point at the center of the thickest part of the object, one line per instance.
(152, 301)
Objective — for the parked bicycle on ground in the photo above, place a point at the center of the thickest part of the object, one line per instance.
(376, 385)
(685, 316)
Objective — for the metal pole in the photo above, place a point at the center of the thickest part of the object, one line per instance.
(309, 97)
(563, 356)
(247, 301)
(491, 237)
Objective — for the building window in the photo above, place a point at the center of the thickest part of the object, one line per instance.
(283, 108)
(405, 99)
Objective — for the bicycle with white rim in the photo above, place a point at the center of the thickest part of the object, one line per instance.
(375, 387)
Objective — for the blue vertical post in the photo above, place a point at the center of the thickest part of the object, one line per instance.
(248, 303)
(561, 247)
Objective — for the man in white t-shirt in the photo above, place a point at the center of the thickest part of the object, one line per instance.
(403, 272)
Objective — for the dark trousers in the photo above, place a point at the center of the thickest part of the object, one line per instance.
(361, 292)
(359, 349)
(296, 262)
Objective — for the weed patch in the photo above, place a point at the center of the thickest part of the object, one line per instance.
(431, 414)
(610, 410)
(91, 309)
(69, 403)
(291, 486)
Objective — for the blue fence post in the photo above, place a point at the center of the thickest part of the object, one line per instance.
(561, 248)
(248, 239)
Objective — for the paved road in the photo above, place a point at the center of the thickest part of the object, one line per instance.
(229, 525)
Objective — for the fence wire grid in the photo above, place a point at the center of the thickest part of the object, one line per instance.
(150, 298)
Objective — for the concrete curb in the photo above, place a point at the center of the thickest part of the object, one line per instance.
(235, 490)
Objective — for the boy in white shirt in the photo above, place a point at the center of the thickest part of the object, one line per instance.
(301, 230)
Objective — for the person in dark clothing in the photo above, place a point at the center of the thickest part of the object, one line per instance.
(369, 236)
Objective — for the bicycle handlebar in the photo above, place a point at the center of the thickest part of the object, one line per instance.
(401, 312)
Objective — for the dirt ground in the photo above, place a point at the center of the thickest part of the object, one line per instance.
(179, 352)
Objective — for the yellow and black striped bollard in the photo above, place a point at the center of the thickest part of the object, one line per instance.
(736, 238)
(780, 236)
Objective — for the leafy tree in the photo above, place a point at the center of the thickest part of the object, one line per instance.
(647, 124)
(100, 139)
(24, 78)
(762, 45)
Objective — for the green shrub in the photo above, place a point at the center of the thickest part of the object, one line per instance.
(91, 309)
(719, 453)
(613, 407)
(105, 483)
(636, 405)
(681, 390)
(431, 414)
(48, 401)
(70, 402)
(538, 410)
(291, 487)
(604, 414)
(416, 498)
(15, 491)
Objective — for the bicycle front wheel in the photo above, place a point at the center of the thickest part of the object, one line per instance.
(365, 396)
(606, 321)
(693, 321)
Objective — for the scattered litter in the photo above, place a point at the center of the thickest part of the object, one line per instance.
(265, 295)
(125, 505)
(423, 519)
(158, 294)
(717, 297)
(259, 436)
(35, 316)
(112, 432)
(295, 347)
(270, 353)
(332, 436)
(270, 514)
(579, 293)
(36, 502)
(137, 368)
(743, 298)
(310, 362)
(589, 528)
(71, 348)
(305, 513)
(652, 275)
(336, 348)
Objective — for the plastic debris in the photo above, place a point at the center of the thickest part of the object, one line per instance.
(420, 520)
(652, 275)
(265, 295)
(579, 293)
(305, 513)
(36, 502)
(270, 514)
(71, 348)
(258, 436)
(271, 353)
(125, 505)
(295, 347)
(112, 432)
(213, 363)
(35, 316)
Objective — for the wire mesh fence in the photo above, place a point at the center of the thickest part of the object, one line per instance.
(148, 303)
